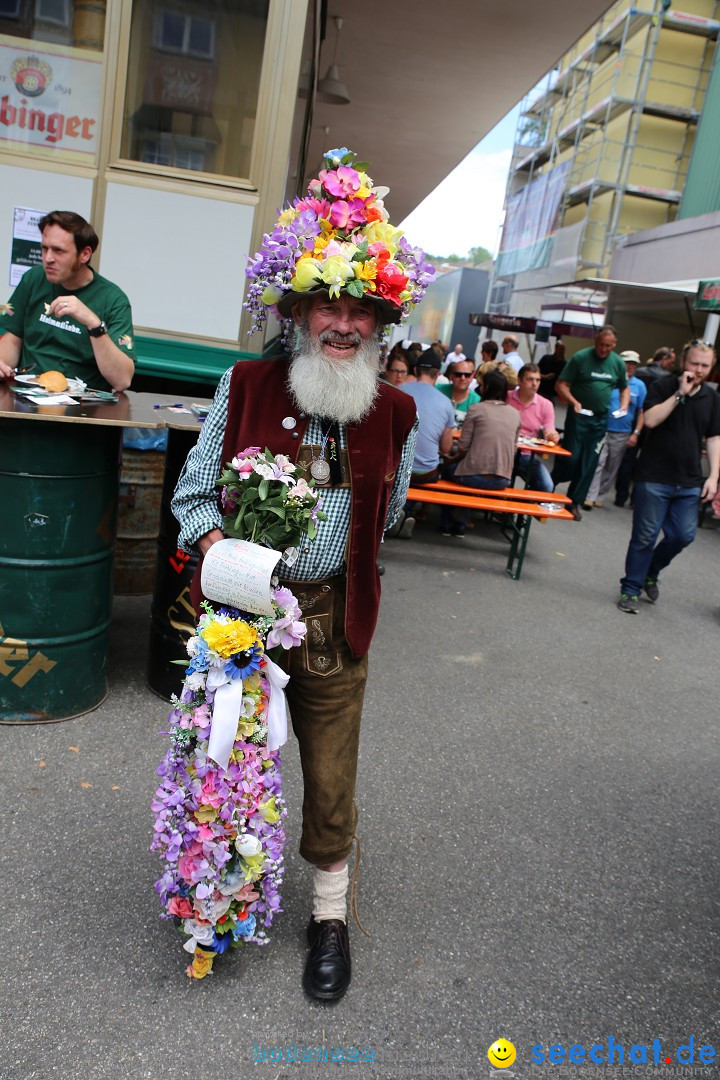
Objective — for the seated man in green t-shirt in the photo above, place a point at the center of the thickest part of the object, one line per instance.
(63, 316)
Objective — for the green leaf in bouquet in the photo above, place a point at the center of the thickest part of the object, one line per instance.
(263, 489)
(354, 288)
(311, 530)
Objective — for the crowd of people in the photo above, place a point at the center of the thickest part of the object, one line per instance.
(624, 421)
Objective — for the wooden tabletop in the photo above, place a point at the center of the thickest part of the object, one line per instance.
(131, 410)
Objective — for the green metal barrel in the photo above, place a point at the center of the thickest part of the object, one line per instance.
(58, 492)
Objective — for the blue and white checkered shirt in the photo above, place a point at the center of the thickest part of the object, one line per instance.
(195, 502)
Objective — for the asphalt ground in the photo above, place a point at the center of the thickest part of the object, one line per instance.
(539, 820)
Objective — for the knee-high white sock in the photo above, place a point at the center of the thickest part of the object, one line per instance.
(330, 894)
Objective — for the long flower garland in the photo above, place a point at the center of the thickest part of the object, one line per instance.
(219, 830)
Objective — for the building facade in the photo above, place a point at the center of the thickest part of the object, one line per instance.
(604, 150)
(168, 124)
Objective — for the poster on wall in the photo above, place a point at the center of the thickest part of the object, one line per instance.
(531, 221)
(50, 99)
(26, 250)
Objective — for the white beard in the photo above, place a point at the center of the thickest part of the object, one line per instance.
(343, 391)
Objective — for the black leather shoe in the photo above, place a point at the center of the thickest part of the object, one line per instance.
(327, 970)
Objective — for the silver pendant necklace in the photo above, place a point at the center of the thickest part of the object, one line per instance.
(320, 469)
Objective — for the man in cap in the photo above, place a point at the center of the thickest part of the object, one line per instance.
(336, 269)
(623, 431)
(586, 383)
(680, 411)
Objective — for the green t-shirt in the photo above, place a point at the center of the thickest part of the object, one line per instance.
(462, 407)
(592, 380)
(51, 344)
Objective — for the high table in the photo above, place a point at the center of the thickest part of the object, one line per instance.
(59, 472)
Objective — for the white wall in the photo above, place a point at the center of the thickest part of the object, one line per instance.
(37, 190)
(180, 258)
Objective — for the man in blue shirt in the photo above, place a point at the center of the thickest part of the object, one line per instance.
(622, 431)
(436, 420)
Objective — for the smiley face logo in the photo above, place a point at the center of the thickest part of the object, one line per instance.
(501, 1054)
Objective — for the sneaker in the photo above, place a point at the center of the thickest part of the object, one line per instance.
(587, 506)
(598, 502)
(445, 532)
(406, 529)
(459, 531)
(651, 589)
(575, 511)
(629, 604)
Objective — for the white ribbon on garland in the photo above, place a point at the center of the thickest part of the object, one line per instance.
(228, 706)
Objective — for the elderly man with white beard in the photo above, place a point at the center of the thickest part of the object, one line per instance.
(346, 273)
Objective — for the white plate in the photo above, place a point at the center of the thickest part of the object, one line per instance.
(75, 386)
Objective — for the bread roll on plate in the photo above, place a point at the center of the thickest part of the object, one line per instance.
(53, 381)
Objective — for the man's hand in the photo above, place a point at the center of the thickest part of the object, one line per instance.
(10, 349)
(709, 490)
(687, 382)
(551, 435)
(63, 307)
(206, 542)
(632, 441)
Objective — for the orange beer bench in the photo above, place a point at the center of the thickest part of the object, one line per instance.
(518, 505)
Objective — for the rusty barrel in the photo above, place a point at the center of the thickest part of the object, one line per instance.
(141, 479)
(59, 485)
(172, 617)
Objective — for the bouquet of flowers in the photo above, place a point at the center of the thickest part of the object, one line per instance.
(219, 807)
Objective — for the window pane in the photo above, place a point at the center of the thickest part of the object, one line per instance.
(79, 25)
(193, 82)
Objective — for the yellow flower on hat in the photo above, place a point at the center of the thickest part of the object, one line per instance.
(365, 271)
(307, 274)
(271, 295)
(384, 232)
(336, 270)
(287, 216)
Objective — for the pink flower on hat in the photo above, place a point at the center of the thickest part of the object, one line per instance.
(342, 182)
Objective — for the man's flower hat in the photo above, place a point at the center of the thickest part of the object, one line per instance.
(337, 240)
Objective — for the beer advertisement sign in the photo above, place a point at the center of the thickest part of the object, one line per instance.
(50, 99)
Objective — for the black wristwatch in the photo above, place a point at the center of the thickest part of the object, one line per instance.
(98, 331)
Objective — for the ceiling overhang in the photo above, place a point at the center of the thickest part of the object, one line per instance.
(428, 81)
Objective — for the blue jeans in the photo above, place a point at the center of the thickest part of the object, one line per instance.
(669, 507)
(535, 474)
(494, 483)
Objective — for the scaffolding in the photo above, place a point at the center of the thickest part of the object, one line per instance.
(619, 113)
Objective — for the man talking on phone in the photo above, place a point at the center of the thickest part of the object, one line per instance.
(680, 411)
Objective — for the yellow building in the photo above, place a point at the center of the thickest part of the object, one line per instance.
(603, 150)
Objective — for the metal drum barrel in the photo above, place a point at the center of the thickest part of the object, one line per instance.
(172, 617)
(58, 487)
(136, 546)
